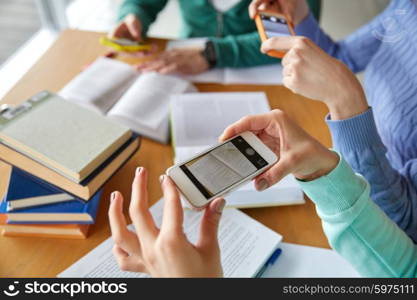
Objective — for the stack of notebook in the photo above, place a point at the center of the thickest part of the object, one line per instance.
(61, 154)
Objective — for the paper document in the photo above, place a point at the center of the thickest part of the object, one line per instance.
(197, 122)
(260, 75)
(245, 246)
(305, 261)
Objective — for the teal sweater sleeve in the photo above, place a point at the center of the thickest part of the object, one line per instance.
(242, 50)
(357, 228)
(145, 10)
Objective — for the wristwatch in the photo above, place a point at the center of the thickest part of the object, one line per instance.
(209, 53)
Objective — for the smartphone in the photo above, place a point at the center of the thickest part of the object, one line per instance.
(124, 44)
(271, 25)
(221, 169)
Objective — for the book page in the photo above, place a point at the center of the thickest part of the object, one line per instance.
(199, 119)
(100, 85)
(245, 246)
(146, 103)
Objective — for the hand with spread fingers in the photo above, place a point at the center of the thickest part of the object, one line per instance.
(165, 251)
(298, 153)
(129, 28)
(310, 72)
(295, 10)
(181, 61)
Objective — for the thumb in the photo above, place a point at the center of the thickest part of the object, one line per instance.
(134, 28)
(272, 175)
(210, 224)
(280, 43)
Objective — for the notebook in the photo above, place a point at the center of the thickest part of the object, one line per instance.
(245, 246)
(83, 190)
(63, 136)
(259, 75)
(73, 211)
(190, 116)
(138, 101)
(62, 231)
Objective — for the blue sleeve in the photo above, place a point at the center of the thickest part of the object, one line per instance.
(357, 49)
(357, 228)
(394, 191)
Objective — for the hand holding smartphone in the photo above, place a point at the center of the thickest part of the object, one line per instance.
(220, 169)
(272, 24)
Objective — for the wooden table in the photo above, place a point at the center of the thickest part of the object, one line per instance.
(42, 257)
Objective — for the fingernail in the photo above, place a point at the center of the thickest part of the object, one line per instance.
(161, 178)
(138, 170)
(262, 185)
(112, 196)
(220, 206)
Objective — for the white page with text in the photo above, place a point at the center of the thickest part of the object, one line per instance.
(245, 246)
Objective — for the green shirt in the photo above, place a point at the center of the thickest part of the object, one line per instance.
(357, 228)
(233, 33)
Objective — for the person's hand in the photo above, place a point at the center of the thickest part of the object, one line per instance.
(129, 28)
(295, 10)
(182, 61)
(298, 153)
(310, 72)
(164, 252)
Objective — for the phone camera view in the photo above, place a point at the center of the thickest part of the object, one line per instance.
(223, 166)
(275, 26)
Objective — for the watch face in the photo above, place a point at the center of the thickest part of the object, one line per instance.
(210, 54)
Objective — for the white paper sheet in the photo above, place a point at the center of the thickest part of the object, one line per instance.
(245, 246)
(197, 122)
(303, 261)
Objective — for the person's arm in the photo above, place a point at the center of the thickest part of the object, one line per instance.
(145, 10)
(395, 192)
(357, 228)
(240, 51)
(357, 49)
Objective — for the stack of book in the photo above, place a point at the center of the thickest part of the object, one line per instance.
(61, 155)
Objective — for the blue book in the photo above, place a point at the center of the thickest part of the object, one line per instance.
(31, 200)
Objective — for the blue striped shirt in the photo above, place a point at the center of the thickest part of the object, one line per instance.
(381, 144)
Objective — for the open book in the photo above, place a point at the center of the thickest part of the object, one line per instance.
(260, 75)
(245, 246)
(138, 101)
(197, 122)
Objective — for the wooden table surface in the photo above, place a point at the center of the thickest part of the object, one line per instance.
(43, 257)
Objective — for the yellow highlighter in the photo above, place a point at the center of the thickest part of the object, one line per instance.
(125, 45)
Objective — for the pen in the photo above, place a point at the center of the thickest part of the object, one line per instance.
(269, 262)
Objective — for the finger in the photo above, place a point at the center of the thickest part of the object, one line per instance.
(253, 7)
(134, 30)
(173, 212)
(120, 234)
(154, 66)
(272, 175)
(118, 32)
(280, 43)
(249, 123)
(169, 69)
(139, 210)
(210, 224)
(126, 262)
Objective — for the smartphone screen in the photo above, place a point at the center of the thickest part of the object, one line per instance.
(222, 167)
(275, 26)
